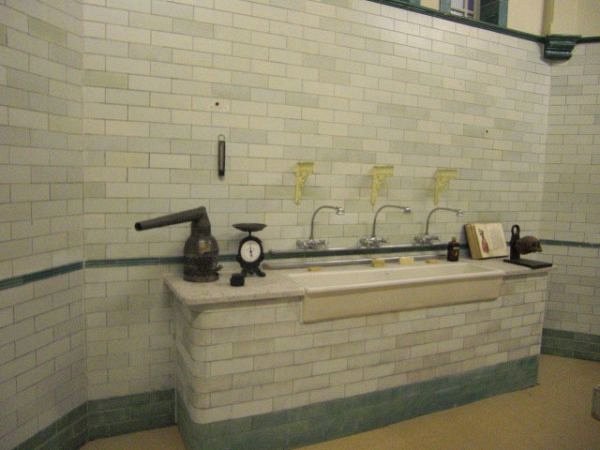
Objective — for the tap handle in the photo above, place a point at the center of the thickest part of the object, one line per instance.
(372, 241)
(311, 244)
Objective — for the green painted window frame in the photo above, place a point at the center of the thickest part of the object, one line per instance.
(502, 12)
(414, 5)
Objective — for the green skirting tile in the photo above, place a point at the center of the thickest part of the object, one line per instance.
(591, 356)
(571, 344)
(104, 418)
(284, 429)
(548, 332)
(39, 439)
(342, 417)
(120, 415)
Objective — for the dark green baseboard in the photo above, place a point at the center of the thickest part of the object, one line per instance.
(285, 429)
(332, 419)
(120, 415)
(571, 344)
(102, 418)
(69, 433)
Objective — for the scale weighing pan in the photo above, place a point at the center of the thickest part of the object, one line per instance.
(249, 227)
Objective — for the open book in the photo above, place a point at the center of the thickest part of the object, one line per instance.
(486, 240)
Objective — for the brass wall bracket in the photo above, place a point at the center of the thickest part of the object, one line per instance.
(302, 171)
(442, 181)
(380, 174)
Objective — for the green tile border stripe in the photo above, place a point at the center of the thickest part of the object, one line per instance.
(336, 418)
(560, 243)
(20, 280)
(125, 262)
(589, 40)
(39, 275)
(104, 418)
(571, 344)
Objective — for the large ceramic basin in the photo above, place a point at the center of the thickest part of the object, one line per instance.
(350, 291)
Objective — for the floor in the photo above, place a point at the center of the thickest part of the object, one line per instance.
(554, 415)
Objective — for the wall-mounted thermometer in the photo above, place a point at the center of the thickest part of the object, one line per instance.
(221, 154)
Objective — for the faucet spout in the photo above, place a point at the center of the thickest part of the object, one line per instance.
(373, 240)
(405, 209)
(458, 212)
(426, 238)
(338, 210)
(311, 242)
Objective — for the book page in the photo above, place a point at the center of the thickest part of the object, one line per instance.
(491, 239)
(486, 240)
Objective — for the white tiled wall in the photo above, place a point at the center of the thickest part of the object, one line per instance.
(346, 85)
(573, 303)
(41, 181)
(42, 348)
(108, 116)
(572, 191)
(42, 333)
(572, 185)
(129, 330)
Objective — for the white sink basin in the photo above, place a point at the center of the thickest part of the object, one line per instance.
(350, 291)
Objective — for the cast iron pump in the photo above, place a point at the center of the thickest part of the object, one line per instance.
(201, 250)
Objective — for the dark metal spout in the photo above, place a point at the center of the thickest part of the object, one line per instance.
(190, 215)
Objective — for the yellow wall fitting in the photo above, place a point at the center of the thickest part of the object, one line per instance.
(303, 170)
(378, 262)
(380, 175)
(442, 180)
(406, 260)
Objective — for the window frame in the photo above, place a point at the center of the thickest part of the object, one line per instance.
(445, 7)
(414, 5)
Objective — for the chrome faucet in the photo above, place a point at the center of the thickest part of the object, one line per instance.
(373, 241)
(314, 244)
(427, 238)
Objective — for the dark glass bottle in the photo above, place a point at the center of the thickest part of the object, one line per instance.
(453, 250)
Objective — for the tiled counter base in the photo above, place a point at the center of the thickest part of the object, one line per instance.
(251, 375)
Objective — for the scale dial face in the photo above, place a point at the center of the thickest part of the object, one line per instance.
(250, 251)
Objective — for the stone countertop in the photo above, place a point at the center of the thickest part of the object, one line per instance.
(277, 285)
